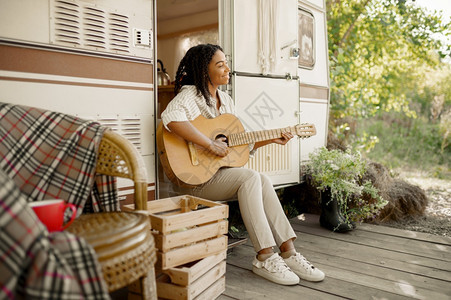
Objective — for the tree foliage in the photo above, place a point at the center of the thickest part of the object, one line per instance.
(380, 53)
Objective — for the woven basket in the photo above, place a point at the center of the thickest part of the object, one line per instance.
(123, 243)
(118, 157)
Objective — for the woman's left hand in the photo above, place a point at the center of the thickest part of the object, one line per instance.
(286, 136)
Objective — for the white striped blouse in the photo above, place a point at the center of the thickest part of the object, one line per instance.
(188, 105)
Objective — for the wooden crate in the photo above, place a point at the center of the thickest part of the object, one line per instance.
(203, 279)
(186, 229)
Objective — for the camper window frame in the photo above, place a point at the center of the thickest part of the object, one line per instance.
(301, 64)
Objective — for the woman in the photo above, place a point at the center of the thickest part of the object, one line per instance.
(202, 70)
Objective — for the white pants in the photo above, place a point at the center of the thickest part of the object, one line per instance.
(260, 207)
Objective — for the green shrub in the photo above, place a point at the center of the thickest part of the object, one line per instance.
(407, 143)
(341, 174)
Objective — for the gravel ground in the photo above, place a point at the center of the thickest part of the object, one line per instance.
(437, 217)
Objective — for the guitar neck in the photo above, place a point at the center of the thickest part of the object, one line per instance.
(244, 138)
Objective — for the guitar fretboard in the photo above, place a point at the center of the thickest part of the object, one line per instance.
(244, 138)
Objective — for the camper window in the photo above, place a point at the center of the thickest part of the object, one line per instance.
(306, 39)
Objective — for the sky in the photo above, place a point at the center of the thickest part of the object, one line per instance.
(438, 5)
(443, 5)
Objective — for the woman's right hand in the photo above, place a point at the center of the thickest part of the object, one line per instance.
(219, 147)
(187, 131)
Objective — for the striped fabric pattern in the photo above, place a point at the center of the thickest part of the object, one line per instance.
(37, 265)
(189, 104)
(51, 155)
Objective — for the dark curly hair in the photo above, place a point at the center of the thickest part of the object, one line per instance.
(193, 69)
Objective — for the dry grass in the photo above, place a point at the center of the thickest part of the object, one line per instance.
(405, 200)
(437, 215)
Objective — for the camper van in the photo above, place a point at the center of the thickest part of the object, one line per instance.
(115, 61)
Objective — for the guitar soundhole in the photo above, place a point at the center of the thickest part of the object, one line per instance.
(222, 136)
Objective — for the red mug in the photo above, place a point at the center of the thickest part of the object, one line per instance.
(51, 213)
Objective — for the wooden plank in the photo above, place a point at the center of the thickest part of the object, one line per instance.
(403, 245)
(344, 282)
(225, 297)
(214, 290)
(174, 213)
(168, 290)
(400, 261)
(167, 224)
(377, 272)
(371, 262)
(195, 201)
(428, 267)
(191, 253)
(312, 220)
(421, 236)
(157, 206)
(243, 284)
(166, 204)
(199, 269)
(427, 282)
(165, 242)
(206, 280)
(435, 248)
(403, 288)
(187, 274)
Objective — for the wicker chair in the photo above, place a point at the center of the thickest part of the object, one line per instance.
(118, 157)
(122, 240)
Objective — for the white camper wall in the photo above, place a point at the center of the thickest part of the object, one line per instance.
(106, 77)
(319, 74)
(314, 81)
(270, 100)
(318, 3)
(19, 20)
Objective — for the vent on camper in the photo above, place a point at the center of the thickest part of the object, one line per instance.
(131, 129)
(66, 21)
(94, 22)
(82, 25)
(119, 32)
(127, 126)
(271, 159)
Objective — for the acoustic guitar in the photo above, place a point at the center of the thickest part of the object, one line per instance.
(187, 164)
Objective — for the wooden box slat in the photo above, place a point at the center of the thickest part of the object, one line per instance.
(167, 224)
(208, 286)
(186, 228)
(165, 242)
(170, 214)
(186, 274)
(180, 256)
(214, 291)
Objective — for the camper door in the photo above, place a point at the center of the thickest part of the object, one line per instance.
(260, 40)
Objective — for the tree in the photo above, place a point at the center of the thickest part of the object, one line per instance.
(380, 51)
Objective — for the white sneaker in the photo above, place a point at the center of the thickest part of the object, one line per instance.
(303, 268)
(275, 270)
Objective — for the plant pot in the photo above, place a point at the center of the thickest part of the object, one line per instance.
(331, 217)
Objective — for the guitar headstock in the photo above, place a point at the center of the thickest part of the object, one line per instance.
(305, 130)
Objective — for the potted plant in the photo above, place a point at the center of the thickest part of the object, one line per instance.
(338, 176)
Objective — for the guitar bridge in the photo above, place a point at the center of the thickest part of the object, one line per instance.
(193, 154)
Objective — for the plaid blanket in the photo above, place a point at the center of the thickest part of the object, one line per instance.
(51, 155)
(37, 265)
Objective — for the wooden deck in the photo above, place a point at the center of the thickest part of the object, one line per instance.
(371, 262)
